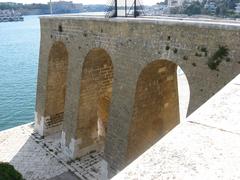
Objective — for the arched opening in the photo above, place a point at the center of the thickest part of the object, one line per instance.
(95, 99)
(156, 107)
(56, 85)
(183, 93)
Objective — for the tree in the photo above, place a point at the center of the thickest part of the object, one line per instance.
(176, 10)
(165, 2)
(231, 4)
(8, 172)
(193, 8)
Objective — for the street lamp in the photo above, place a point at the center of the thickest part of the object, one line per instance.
(51, 11)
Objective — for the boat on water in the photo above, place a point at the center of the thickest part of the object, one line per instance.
(10, 16)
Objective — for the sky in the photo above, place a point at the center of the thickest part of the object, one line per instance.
(145, 2)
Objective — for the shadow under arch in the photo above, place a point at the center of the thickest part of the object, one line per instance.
(56, 85)
(156, 106)
(95, 99)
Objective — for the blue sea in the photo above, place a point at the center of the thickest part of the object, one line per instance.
(19, 53)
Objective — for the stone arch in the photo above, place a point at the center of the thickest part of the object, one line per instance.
(95, 99)
(56, 85)
(156, 107)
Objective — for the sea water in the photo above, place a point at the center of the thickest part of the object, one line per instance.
(19, 53)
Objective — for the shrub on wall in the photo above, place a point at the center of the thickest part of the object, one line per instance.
(8, 172)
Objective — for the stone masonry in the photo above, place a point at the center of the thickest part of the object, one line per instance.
(110, 84)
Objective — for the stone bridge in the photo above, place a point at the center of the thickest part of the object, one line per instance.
(111, 84)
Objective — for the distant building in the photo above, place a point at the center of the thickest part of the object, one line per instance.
(177, 3)
(156, 10)
(66, 7)
(10, 15)
(211, 6)
(237, 8)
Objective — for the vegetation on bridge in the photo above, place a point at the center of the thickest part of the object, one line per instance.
(220, 55)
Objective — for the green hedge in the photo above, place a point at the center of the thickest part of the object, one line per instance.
(8, 172)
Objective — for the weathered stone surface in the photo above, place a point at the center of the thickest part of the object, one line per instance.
(156, 108)
(190, 151)
(65, 176)
(27, 155)
(39, 158)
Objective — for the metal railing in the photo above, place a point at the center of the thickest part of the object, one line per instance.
(128, 8)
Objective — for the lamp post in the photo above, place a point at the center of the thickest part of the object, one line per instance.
(51, 11)
(125, 8)
(135, 8)
(116, 8)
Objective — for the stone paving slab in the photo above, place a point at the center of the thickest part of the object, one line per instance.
(39, 158)
(189, 152)
(222, 110)
(65, 176)
(28, 157)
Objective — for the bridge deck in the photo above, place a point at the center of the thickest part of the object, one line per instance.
(202, 22)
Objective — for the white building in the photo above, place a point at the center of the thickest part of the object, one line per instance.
(237, 8)
(177, 3)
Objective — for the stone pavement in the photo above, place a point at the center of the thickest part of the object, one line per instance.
(65, 176)
(206, 145)
(37, 157)
(27, 155)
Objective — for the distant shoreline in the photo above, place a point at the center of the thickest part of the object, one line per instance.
(61, 7)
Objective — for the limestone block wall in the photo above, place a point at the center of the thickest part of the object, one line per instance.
(95, 96)
(208, 53)
(156, 107)
(56, 85)
(51, 117)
